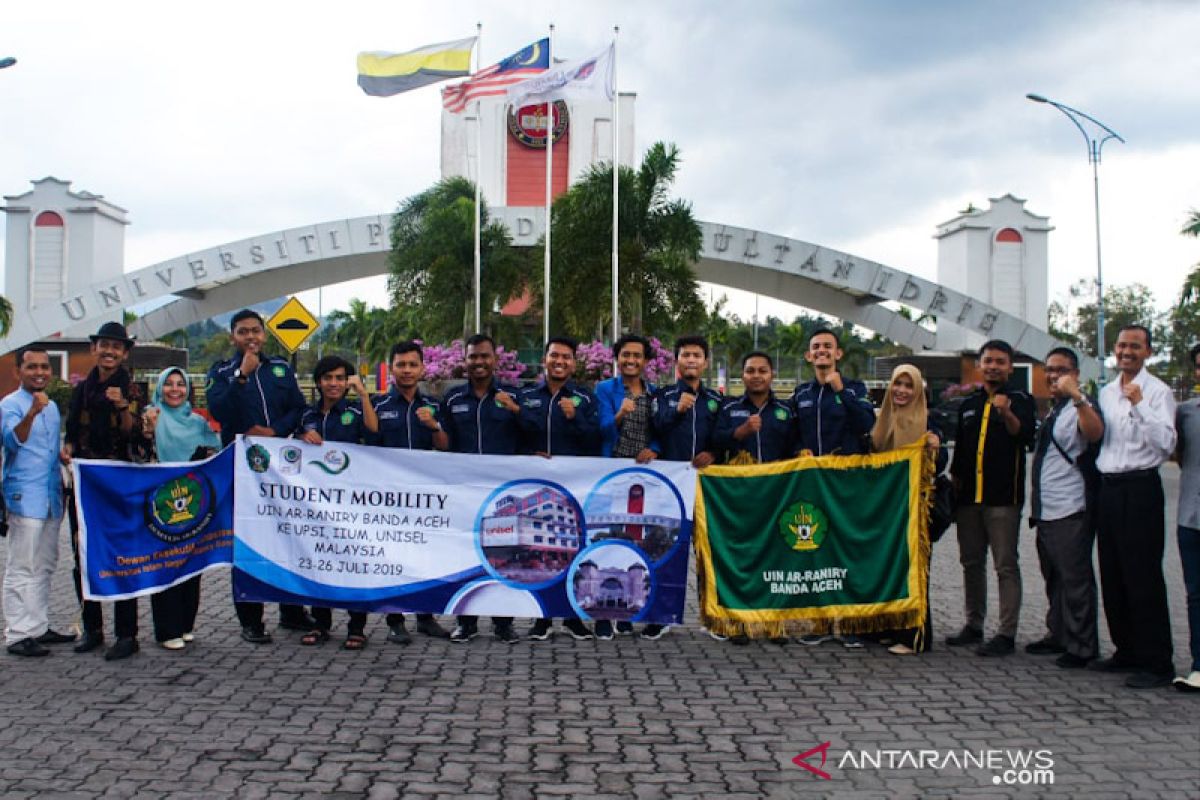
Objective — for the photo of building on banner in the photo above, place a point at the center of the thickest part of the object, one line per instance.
(374, 529)
(145, 527)
(840, 538)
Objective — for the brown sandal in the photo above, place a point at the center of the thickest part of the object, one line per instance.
(314, 637)
(354, 642)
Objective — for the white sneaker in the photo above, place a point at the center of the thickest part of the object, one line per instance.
(173, 644)
(715, 636)
(1189, 684)
(188, 637)
(813, 639)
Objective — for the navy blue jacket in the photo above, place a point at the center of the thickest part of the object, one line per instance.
(481, 426)
(680, 437)
(775, 440)
(546, 429)
(832, 423)
(270, 397)
(398, 422)
(342, 423)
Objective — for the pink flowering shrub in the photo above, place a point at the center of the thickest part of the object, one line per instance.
(447, 362)
(594, 363)
(960, 390)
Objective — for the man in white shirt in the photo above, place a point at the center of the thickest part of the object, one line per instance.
(1064, 514)
(1139, 435)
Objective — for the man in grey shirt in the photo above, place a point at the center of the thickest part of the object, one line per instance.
(1064, 515)
(1187, 426)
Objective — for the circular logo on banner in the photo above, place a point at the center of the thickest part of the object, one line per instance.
(528, 123)
(803, 526)
(258, 458)
(180, 507)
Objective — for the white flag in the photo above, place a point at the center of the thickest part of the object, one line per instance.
(589, 78)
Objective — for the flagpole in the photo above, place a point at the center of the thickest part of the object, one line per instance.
(478, 175)
(549, 164)
(616, 151)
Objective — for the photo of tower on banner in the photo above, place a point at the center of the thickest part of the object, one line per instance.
(840, 538)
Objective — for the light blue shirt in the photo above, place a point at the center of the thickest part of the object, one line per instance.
(32, 478)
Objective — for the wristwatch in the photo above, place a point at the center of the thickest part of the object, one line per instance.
(1081, 402)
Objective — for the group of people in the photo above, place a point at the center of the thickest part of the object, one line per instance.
(1078, 488)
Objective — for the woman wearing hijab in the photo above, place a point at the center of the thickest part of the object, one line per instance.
(904, 420)
(177, 434)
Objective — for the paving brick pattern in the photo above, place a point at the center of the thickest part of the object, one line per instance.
(680, 717)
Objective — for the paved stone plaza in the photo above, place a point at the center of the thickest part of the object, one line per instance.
(681, 717)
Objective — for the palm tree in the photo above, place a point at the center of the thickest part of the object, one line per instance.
(352, 328)
(660, 241)
(432, 262)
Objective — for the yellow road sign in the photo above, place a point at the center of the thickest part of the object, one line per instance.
(292, 324)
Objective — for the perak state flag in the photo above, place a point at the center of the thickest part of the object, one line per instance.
(588, 78)
(495, 80)
(385, 74)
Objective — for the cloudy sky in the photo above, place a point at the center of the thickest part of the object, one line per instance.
(857, 125)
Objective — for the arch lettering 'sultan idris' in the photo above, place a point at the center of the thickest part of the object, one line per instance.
(229, 276)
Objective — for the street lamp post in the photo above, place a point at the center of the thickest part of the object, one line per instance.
(1095, 140)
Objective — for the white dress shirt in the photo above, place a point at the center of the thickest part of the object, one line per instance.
(1136, 437)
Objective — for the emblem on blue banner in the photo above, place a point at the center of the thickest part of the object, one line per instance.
(180, 507)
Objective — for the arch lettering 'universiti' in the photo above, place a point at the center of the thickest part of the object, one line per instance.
(230, 276)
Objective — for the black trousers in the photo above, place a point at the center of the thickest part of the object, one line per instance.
(252, 613)
(125, 621)
(468, 620)
(1130, 548)
(355, 627)
(175, 609)
(396, 619)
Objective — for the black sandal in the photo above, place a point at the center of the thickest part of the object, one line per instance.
(354, 641)
(315, 637)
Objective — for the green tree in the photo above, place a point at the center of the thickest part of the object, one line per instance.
(660, 242)
(1184, 318)
(1123, 305)
(432, 260)
(6, 315)
(351, 328)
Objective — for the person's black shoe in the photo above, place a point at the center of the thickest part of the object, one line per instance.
(52, 636)
(740, 639)
(540, 631)
(1149, 680)
(254, 634)
(998, 645)
(1111, 664)
(779, 640)
(431, 628)
(463, 634)
(398, 634)
(304, 622)
(625, 628)
(122, 648)
(28, 647)
(604, 630)
(1044, 647)
(1071, 661)
(505, 633)
(654, 631)
(89, 641)
(581, 632)
(967, 635)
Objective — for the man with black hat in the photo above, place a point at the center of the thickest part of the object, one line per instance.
(103, 421)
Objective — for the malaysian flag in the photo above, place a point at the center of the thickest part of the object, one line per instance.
(494, 81)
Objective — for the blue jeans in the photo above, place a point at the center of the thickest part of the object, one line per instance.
(1189, 555)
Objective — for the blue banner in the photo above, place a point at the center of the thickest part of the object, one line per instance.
(143, 528)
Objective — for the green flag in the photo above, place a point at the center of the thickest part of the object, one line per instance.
(819, 539)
